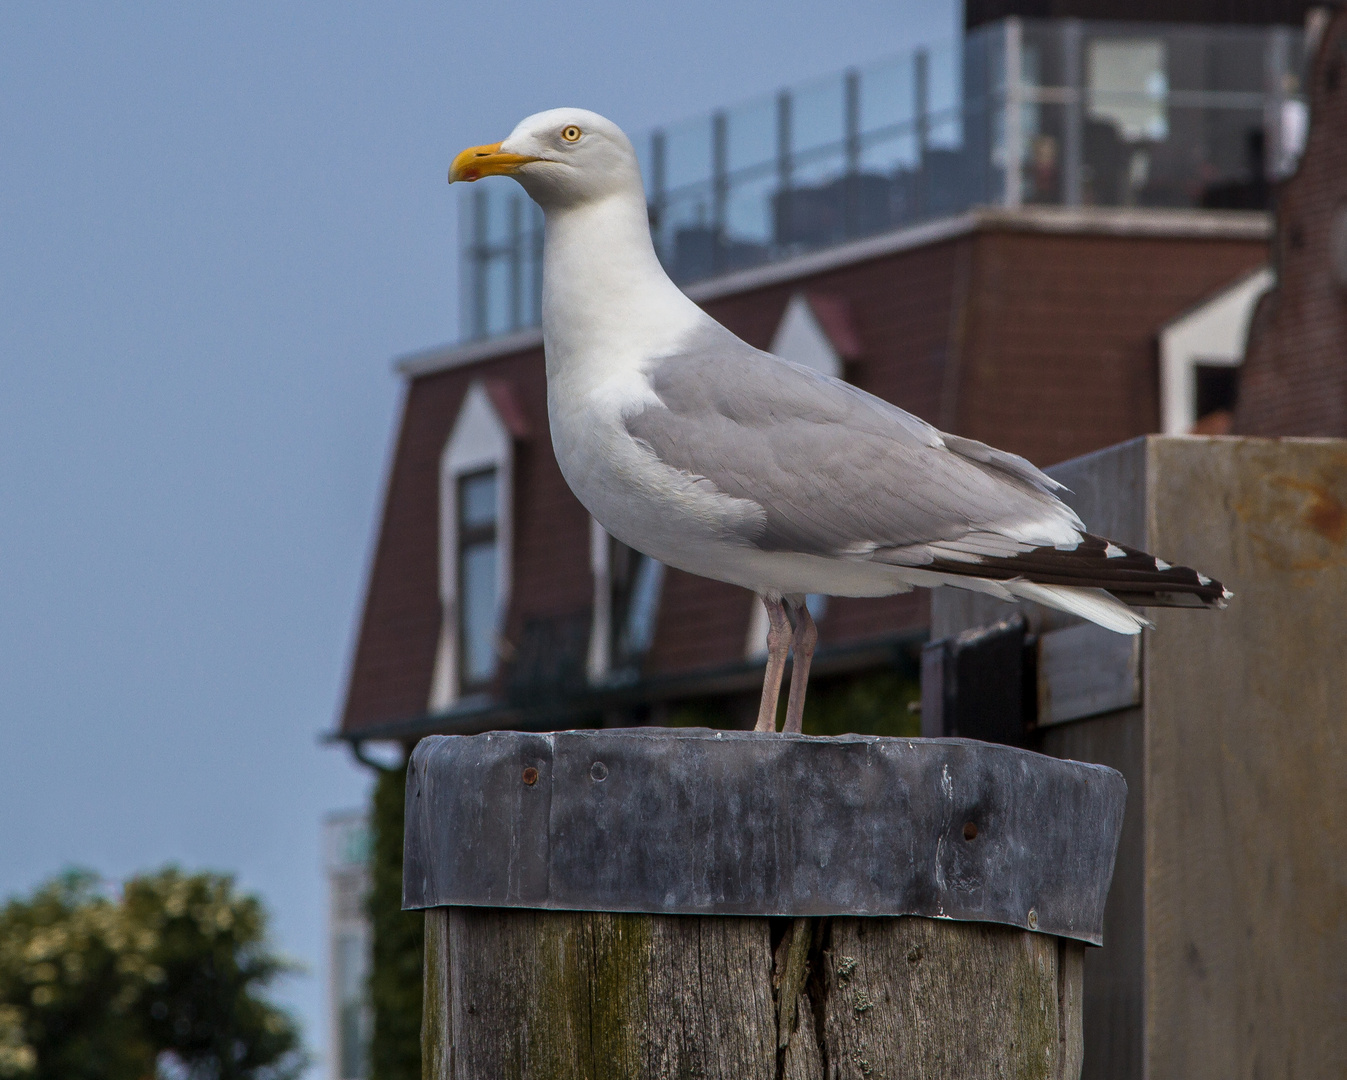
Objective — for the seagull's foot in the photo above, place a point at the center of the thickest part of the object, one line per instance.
(778, 648)
(804, 640)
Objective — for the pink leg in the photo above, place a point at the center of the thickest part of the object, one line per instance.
(778, 648)
(805, 638)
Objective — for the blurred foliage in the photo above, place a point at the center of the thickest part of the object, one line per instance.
(878, 703)
(395, 974)
(163, 980)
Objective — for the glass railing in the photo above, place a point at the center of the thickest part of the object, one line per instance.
(1062, 112)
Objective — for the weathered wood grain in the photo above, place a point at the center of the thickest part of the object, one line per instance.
(596, 995)
(1071, 1011)
(536, 995)
(943, 1001)
(435, 1009)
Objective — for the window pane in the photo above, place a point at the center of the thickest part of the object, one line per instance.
(477, 610)
(1128, 83)
(477, 500)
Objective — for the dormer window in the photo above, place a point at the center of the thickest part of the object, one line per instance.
(476, 483)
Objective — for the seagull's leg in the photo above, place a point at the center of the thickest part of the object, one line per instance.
(778, 648)
(805, 638)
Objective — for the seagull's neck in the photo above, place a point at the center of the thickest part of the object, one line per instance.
(607, 301)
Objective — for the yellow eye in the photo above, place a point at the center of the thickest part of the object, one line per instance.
(570, 133)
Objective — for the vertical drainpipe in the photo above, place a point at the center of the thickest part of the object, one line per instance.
(1073, 148)
(921, 109)
(851, 91)
(658, 170)
(1013, 191)
(720, 188)
(784, 171)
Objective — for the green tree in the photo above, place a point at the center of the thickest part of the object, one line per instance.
(67, 993)
(395, 976)
(206, 947)
(168, 977)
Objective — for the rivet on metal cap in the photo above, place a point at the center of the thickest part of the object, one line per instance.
(1033, 918)
(598, 771)
(530, 776)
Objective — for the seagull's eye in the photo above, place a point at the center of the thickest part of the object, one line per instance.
(570, 133)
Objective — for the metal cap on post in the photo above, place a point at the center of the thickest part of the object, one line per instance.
(700, 822)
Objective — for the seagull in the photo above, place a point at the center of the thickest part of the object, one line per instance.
(690, 445)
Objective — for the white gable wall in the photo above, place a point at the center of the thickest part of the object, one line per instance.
(800, 339)
(1215, 333)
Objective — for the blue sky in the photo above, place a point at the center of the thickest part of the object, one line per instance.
(218, 224)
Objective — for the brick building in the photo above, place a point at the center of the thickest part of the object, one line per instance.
(1017, 285)
(1294, 378)
(1033, 330)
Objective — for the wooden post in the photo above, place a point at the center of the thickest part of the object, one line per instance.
(1227, 919)
(831, 965)
(551, 994)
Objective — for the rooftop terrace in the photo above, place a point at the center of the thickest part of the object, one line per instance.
(1020, 112)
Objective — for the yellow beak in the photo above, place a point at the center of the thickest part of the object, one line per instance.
(478, 161)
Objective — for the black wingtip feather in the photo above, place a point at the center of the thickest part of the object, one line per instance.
(1134, 576)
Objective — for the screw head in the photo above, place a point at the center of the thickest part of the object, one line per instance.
(598, 771)
(1033, 918)
(970, 830)
(530, 776)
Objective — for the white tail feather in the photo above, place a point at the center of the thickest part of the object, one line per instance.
(1096, 605)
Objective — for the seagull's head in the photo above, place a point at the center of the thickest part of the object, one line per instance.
(562, 157)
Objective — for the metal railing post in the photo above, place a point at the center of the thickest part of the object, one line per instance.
(1012, 194)
(921, 108)
(851, 83)
(536, 265)
(658, 171)
(720, 187)
(516, 256)
(851, 92)
(1073, 133)
(785, 180)
(480, 255)
(1277, 65)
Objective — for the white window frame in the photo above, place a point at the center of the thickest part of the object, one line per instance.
(602, 632)
(1214, 333)
(480, 440)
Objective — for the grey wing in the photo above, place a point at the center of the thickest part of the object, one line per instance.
(836, 470)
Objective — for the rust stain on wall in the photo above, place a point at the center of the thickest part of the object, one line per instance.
(1323, 512)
